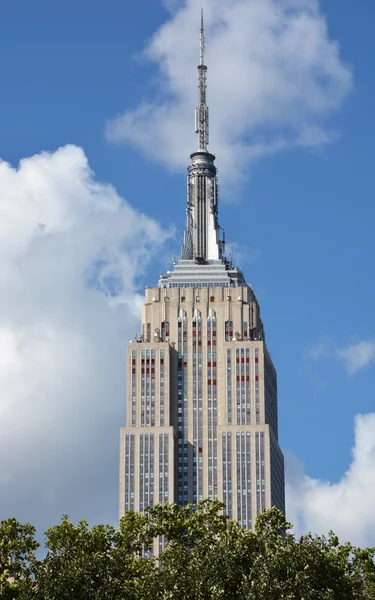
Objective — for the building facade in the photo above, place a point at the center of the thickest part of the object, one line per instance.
(202, 416)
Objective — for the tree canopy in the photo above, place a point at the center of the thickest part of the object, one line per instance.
(205, 557)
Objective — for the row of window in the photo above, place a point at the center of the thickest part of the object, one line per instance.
(243, 489)
(205, 284)
(163, 333)
(129, 472)
(197, 410)
(146, 471)
(182, 424)
(227, 472)
(243, 479)
(260, 470)
(163, 468)
(211, 414)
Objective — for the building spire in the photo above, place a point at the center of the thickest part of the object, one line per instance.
(202, 241)
(201, 112)
(202, 40)
(202, 259)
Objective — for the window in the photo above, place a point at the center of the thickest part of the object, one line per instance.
(228, 330)
(212, 299)
(197, 299)
(164, 330)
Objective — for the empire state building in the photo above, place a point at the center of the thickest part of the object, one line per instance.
(201, 409)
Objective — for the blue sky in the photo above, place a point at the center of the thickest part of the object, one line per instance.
(301, 217)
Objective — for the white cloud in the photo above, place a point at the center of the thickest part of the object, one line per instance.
(354, 357)
(346, 507)
(274, 75)
(357, 356)
(323, 349)
(71, 251)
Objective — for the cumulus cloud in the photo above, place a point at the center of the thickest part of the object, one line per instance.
(354, 357)
(274, 75)
(346, 507)
(71, 253)
(357, 356)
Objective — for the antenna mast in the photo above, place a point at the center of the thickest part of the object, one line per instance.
(201, 112)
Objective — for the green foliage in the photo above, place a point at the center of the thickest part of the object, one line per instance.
(206, 557)
(99, 563)
(17, 546)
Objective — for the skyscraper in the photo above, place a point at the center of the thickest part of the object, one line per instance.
(202, 391)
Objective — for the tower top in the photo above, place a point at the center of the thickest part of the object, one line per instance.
(201, 112)
(202, 261)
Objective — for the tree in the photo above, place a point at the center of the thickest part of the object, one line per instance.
(97, 564)
(206, 556)
(209, 557)
(17, 547)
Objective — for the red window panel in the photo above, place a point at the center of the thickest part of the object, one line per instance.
(194, 323)
(209, 343)
(214, 363)
(256, 377)
(162, 361)
(209, 363)
(133, 371)
(214, 333)
(214, 382)
(256, 359)
(212, 299)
